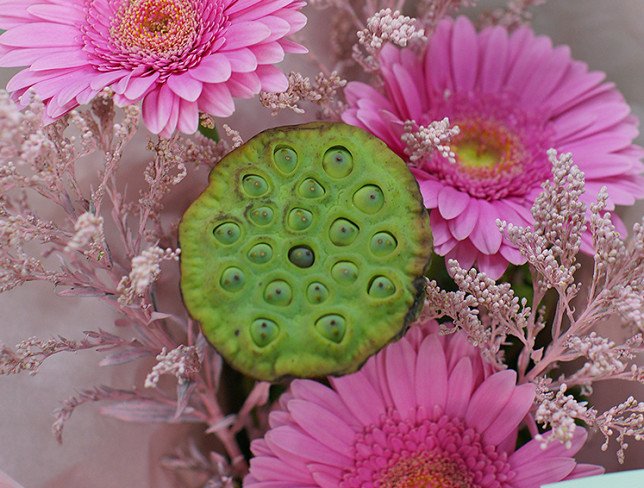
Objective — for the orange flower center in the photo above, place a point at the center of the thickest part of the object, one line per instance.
(155, 27)
(426, 471)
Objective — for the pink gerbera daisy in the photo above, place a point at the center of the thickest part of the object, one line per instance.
(423, 413)
(513, 96)
(179, 57)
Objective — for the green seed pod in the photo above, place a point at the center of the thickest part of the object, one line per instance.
(306, 253)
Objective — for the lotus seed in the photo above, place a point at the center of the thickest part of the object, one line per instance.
(227, 233)
(343, 232)
(345, 272)
(278, 293)
(369, 199)
(263, 332)
(332, 327)
(383, 244)
(260, 253)
(338, 162)
(310, 188)
(317, 292)
(262, 216)
(381, 287)
(255, 186)
(301, 256)
(285, 159)
(299, 219)
(232, 279)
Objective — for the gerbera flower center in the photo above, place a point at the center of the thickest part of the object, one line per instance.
(501, 150)
(427, 471)
(485, 144)
(426, 451)
(155, 27)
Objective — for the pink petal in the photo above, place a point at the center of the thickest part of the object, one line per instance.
(400, 363)
(492, 265)
(493, 64)
(243, 34)
(360, 397)
(465, 253)
(272, 79)
(462, 226)
(543, 471)
(304, 447)
(323, 425)
(216, 100)
(188, 122)
(464, 54)
(242, 60)
(460, 384)
(451, 202)
(31, 35)
(486, 236)
(511, 415)
(213, 69)
(431, 374)
(489, 399)
(185, 86)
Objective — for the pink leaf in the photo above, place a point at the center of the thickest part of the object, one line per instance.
(147, 411)
(124, 356)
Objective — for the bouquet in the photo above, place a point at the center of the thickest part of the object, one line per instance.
(469, 355)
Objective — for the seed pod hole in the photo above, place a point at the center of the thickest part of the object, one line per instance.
(343, 232)
(381, 287)
(263, 332)
(311, 188)
(301, 256)
(227, 233)
(344, 272)
(232, 279)
(332, 327)
(261, 216)
(369, 199)
(316, 292)
(299, 219)
(254, 185)
(278, 293)
(338, 162)
(383, 244)
(260, 253)
(285, 159)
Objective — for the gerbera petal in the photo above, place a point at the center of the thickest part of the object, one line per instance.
(431, 374)
(451, 202)
(463, 224)
(464, 54)
(511, 415)
(489, 399)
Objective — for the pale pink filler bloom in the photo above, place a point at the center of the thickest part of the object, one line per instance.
(425, 412)
(513, 96)
(179, 57)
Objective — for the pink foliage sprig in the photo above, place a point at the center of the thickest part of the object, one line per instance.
(491, 313)
(120, 267)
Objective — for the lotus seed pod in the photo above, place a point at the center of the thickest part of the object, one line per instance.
(306, 253)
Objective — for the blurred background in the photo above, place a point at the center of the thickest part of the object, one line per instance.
(100, 452)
